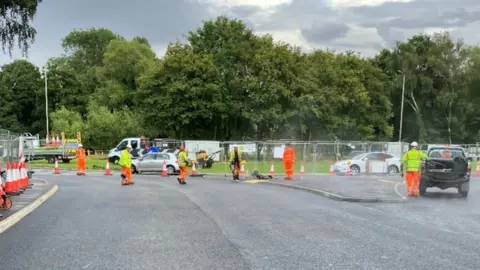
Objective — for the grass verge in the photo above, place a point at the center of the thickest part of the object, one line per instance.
(99, 162)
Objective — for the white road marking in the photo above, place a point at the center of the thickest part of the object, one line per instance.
(396, 189)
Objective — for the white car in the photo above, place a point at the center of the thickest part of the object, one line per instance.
(378, 162)
(153, 162)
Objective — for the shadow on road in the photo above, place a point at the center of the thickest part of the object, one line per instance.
(442, 195)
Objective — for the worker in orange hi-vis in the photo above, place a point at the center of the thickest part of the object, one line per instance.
(81, 160)
(288, 161)
(183, 162)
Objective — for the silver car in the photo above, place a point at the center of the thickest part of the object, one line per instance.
(153, 162)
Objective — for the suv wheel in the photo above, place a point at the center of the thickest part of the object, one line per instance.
(463, 189)
(422, 187)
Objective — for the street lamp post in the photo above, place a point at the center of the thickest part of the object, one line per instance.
(46, 99)
(401, 110)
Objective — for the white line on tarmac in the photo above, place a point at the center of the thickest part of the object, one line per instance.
(396, 189)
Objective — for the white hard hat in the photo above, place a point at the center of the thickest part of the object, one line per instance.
(129, 146)
(235, 146)
(414, 144)
(80, 145)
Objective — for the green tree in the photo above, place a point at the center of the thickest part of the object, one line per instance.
(124, 62)
(104, 128)
(15, 20)
(85, 50)
(179, 94)
(67, 121)
(19, 84)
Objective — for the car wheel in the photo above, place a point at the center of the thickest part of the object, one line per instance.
(134, 169)
(463, 189)
(393, 169)
(170, 169)
(355, 169)
(422, 187)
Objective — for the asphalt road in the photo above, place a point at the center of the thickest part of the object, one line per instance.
(94, 223)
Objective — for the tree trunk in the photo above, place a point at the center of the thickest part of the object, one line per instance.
(422, 132)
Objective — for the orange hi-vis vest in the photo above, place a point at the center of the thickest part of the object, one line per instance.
(288, 154)
(80, 153)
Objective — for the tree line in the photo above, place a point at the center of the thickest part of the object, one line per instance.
(227, 83)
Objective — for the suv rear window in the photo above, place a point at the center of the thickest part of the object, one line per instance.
(446, 153)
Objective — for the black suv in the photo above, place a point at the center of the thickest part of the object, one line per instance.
(446, 168)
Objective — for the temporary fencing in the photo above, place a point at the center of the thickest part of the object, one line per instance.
(14, 172)
(9, 147)
(316, 157)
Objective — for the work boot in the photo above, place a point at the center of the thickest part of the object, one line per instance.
(179, 180)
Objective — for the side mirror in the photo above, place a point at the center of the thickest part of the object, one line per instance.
(470, 159)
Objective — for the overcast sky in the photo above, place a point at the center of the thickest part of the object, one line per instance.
(361, 25)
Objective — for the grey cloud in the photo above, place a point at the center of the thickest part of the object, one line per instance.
(391, 17)
(159, 21)
(298, 14)
(168, 20)
(325, 32)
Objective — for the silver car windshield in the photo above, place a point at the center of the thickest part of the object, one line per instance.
(359, 156)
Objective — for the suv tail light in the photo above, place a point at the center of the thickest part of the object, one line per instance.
(176, 161)
(469, 168)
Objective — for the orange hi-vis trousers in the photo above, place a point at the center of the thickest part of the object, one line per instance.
(183, 173)
(128, 174)
(288, 168)
(236, 169)
(81, 164)
(412, 180)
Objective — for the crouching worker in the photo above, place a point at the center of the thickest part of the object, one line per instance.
(126, 163)
(235, 158)
(183, 162)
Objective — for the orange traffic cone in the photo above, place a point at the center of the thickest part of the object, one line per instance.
(272, 170)
(16, 178)
(242, 169)
(56, 169)
(22, 176)
(194, 170)
(331, 170)
(107, 168)
(164, 169)
(302, 169)
(9, 185)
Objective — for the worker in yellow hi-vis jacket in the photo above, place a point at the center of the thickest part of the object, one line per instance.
(126, 163)
(412, 164)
